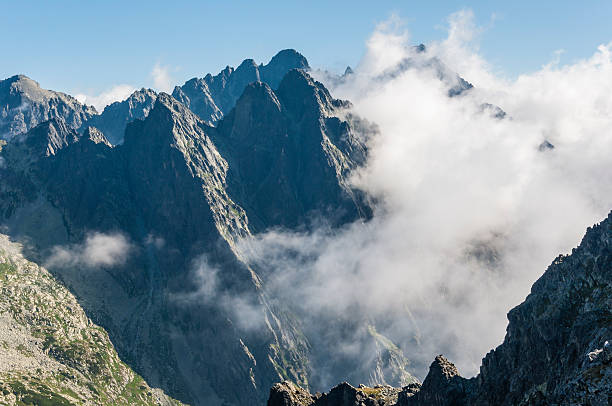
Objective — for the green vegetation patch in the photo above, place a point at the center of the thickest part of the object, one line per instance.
(39, 396)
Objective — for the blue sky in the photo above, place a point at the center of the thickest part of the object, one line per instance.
(89, 46)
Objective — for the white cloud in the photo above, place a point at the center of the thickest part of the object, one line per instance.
(161, 78)
(244, 309)
(115, 93)
(470, 212)
(98, 250)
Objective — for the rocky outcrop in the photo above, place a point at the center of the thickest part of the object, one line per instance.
(284, 61)
(557, 349)
(289, 394)
(214, 96)
(24, 105)
(116, 116)
(442, 387)
(50, 352)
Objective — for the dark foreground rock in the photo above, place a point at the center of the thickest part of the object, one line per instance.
(557, 349)
(289, 394)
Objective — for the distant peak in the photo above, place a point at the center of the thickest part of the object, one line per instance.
(291, 57)
(170, 105)
(258, 91)
(300, 92)
(297, 79)
(298, 76)
(19, 77)
(247, 63)
(23, 81)
(145, 90)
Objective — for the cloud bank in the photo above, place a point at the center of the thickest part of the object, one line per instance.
(471, 208)
(98, 250)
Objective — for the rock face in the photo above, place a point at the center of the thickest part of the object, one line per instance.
(116, 116)
(50, 352)
(557, 349)
(24, 105)
(290, 155)
(214, 96)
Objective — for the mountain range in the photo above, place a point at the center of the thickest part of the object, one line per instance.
(140, 213)
(182, 193)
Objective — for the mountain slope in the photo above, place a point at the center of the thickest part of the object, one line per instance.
(24, 105)
(556, 350)
(51, 353)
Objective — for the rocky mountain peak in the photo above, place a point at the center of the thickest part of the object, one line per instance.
(286, 146)
(115, 117)
(169, 117)
(48, 138)
(442, 387)
(24, 105)
(280, 64)
(172, 106)
(302, 94)
(442, 369)
(21, 84)
(255, 93)
(214, 96)
(289, 57)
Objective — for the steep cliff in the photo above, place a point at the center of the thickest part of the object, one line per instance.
(290, 155)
